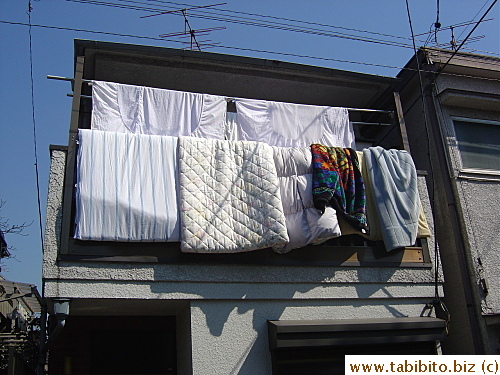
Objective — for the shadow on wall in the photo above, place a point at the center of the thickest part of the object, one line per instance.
(278, 284)
(229, 319)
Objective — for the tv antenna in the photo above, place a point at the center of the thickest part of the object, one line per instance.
(188, 30)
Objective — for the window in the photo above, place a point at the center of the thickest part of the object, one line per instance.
(479, 143)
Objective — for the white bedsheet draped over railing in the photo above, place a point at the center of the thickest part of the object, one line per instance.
(126, 187)
(147, 110)
(290, 125)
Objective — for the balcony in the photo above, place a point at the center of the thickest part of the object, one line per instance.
(219, 74)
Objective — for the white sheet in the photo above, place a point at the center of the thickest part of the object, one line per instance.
(126, 187)
(147, 110)
(305, 224)
(229, 196)
(291, 125)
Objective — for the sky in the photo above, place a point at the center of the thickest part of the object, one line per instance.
(368, 36)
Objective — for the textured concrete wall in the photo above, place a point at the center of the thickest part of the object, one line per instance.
(480, 206)
(230, 337)
(478, 197)
(53, 216)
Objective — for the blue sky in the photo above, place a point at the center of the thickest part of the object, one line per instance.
(52, 54)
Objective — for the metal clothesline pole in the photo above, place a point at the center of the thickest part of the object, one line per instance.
(369, 110)
(68, 79)
(233, 99)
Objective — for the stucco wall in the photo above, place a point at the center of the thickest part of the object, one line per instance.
(480, 207)
(478, 197)
(230, 337)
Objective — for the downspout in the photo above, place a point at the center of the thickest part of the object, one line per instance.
(61, 311)
(473, 314)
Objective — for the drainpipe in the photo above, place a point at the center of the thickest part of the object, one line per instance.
(61, 312)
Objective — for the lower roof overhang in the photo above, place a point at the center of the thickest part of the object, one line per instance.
(285, 334)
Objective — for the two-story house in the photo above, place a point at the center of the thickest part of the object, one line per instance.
(136, 307)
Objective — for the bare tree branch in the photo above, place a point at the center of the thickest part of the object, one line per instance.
(6, 227)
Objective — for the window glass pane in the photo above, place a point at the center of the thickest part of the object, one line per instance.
(479, 144)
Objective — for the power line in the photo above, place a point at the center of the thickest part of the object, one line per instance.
(467, 37)
(235, 48)
(34, 123)
(210, 15)
(249, 21)
(473, 18)
(431, 166)
(455, 26)
(273, 17)
(301, 21)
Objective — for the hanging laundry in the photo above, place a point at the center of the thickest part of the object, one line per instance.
(374, 232)
(337, 182)
(290, 125)
(395, 194)
(126, 187)
(305, 224)
(147, 110)
(229, 196)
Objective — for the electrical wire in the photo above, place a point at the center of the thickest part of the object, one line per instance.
(34, 123)
(473, 18)
(437, 24)
(210, 15)
(427, 132)
(311, 23)
(253, 22)
(216, 16)
(226, 47)
(237, 48)
(461, 24)
(265, 16)
(467, 37)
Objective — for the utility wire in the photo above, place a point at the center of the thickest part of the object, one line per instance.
(235, 48)
(30, 8)
(263, 16)
(305, 22)
(226, 47)
(467, 37)
(479, 11)
(426, 126)
(210, 15)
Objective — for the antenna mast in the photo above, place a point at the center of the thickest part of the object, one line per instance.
(188, 30)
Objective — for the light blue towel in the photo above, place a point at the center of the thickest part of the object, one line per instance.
(394, 182)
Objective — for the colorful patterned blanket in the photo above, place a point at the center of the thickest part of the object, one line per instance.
(337, 182)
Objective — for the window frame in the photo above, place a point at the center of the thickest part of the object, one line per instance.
(463, 171)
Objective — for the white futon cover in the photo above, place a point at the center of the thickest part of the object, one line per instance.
(305, 224)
